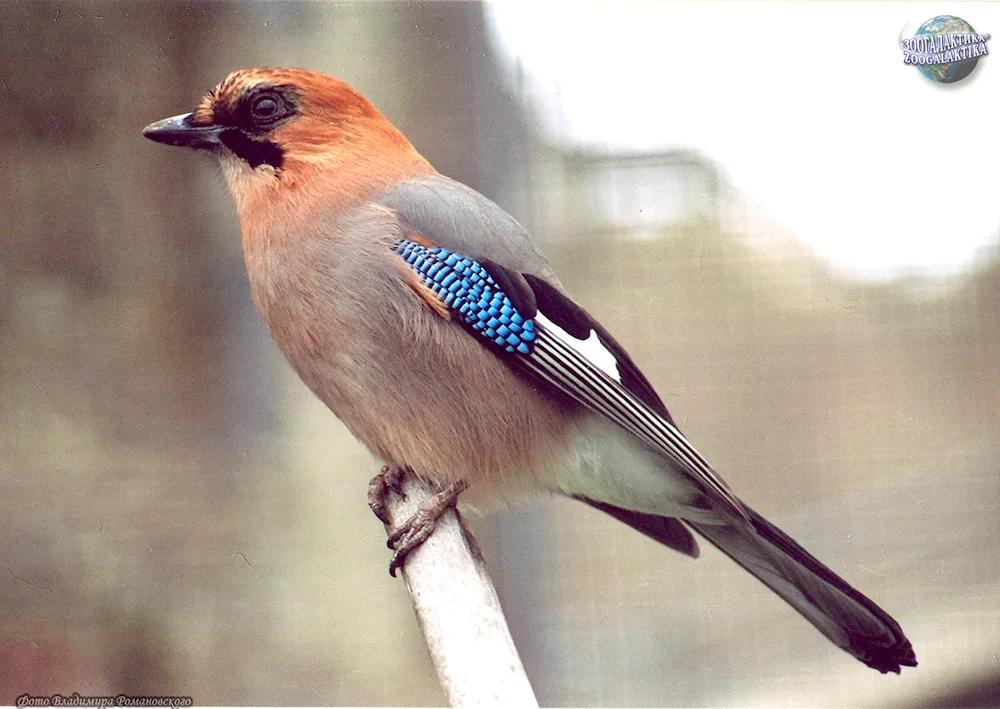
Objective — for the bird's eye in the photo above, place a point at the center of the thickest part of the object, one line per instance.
(265, 107)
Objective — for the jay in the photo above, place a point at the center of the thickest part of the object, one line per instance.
(429, 322)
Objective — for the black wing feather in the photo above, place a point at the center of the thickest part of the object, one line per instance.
(577, 322)
(515, 286)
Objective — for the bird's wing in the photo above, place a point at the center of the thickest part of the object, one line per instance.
(447, 213)
(536, 328)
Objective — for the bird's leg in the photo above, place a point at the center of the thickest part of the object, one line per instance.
(415, 531)
(390, 478)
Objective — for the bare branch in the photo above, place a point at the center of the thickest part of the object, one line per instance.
(458, 610)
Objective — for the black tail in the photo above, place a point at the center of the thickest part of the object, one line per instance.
(852, 621)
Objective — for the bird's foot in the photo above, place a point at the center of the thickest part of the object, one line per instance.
(389, 479)
(416, 530)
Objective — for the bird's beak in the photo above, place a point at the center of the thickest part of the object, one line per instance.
(179, 130)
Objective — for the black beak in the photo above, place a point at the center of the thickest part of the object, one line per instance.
(179, 131)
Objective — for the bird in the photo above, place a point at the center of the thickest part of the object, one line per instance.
(430, 323)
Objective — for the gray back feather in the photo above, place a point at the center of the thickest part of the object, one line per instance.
(460, 219)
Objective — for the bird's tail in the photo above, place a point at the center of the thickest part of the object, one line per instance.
(852, 621)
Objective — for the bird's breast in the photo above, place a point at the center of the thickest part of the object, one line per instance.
(415, 388)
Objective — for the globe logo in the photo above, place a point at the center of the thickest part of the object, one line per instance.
(945, 49)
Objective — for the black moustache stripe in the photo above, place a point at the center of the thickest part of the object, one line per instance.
(255, 152)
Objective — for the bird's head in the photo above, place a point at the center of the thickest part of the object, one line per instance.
(289, 133)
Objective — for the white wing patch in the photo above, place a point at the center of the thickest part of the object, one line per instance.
(590, 349)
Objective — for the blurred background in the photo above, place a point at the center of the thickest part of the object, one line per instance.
(810, 226)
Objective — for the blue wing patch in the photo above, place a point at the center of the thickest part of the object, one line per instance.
(465, 287)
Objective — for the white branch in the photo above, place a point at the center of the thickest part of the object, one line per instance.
(458, 610)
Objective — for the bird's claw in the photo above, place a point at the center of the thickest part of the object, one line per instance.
(389, 479)
(419, 527)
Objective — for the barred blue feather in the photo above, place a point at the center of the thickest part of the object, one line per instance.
(465, 287)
